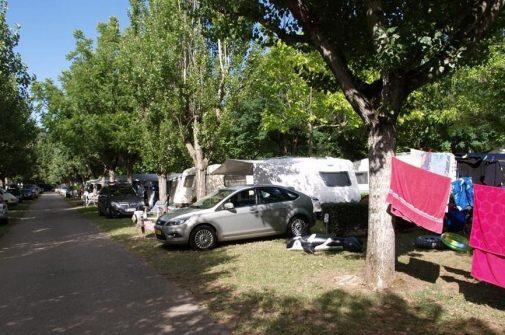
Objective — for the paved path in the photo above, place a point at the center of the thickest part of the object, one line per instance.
(58, 274)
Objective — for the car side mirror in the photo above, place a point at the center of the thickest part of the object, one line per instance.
(229, 206)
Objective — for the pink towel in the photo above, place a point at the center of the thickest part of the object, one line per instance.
(488, 234)
(418, 195)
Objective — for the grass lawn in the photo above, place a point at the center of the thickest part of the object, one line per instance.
(15, 212)
(260, 288)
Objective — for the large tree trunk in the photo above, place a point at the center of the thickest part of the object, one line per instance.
(112, 175)
(129, 172)
(380, 256)
(199, 160)
(162, 182)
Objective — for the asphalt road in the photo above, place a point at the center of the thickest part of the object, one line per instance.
(58, 274)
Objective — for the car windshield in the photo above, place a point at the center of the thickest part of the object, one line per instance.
(122, 191)
(212, 199)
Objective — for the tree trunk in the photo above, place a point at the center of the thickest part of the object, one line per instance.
(162, 183)
(380, 256)
(199, 160)
(112, 175)
(129, 172)
(310, 141)
(201, 176)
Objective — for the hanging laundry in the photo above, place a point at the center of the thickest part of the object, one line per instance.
(455, 219)
(418, 195)
(488, 235)
(462, 191)
(443, 163)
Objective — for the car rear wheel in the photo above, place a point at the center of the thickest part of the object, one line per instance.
(108, 212)
(298, 226)
(203, 238)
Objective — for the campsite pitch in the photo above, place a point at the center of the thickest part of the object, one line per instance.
(258, 287)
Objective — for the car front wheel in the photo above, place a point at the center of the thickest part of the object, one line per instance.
(203, 238)
(298, 226)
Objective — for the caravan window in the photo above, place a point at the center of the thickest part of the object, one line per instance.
(362, 177)
(336, 179)
(188, 181)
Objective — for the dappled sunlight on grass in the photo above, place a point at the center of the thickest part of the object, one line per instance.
(258, 287)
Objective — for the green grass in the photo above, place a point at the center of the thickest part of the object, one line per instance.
(258, 287)
(15, 213)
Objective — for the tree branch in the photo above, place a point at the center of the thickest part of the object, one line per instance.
(373, 14)
(352, 87)
(282, 34)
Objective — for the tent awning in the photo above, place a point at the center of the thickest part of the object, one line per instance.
(235, 167)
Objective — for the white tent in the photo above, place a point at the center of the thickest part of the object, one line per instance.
(328, 179)
(185, 189)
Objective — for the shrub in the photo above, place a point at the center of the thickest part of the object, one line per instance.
(347, 218)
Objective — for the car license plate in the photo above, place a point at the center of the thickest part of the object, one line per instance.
(158, 232)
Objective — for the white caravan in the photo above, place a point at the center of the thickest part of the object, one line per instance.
(330, 180)
(185, 191)
(361, 169)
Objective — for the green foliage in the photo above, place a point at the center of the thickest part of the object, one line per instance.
(442, 116)
(91, 116)
(17, 128)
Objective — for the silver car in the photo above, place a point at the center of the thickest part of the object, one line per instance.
(237, 213)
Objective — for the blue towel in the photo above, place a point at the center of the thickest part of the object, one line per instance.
(462, 191)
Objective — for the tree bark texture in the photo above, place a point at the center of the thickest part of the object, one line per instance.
(380, 256)
(129, 171)
(162, 183)
(112, 175)
(200, 162)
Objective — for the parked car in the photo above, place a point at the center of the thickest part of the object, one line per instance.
(118, 200)
(15, 191)
(28, 193)
(8, 197)
(235, 213)
(3, 211)
(34, 189)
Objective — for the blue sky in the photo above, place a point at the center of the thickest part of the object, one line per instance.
(47, 27)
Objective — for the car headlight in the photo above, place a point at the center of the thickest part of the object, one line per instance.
(114, 204)
(177, 222)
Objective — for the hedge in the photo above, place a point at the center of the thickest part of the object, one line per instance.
(347, 218)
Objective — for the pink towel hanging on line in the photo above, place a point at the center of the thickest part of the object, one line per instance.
(488, 235)
(418, 195)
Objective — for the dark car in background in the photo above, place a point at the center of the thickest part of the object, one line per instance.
(28, 193)
(118, 200)
(46, 187)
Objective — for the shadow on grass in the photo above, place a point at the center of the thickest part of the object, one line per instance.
(266, 311)
(479, 293)
(337, 311)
